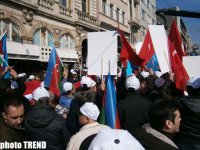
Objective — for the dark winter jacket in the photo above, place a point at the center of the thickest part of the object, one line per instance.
(74, 112)
(133, 111)
(42, 123)
(151, 139)
(10, 134)
(190, 123)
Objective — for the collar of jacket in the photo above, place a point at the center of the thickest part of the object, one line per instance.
(159, 135)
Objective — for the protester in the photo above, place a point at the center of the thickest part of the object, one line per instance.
(114, 139)
(11, 120)
(164, 123)
(86, 94)
(88, 118)
(189, 135)
(133, 110)
(44, 124)
(67, 96)
(7, 89)
(74, 77)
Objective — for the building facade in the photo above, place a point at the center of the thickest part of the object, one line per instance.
(148, 16)
(34, 26)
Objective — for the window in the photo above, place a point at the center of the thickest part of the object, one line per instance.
(13, 33)
(43, 37)
(65, 3)
(131, 9)
(67, 42)
(123, 17)
(111, 11)
(148, 4)
(143, 14)
(104, 6)
(84, 6)
(117, 14)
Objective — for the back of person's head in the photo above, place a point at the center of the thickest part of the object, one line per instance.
(84, 96)
(87, 83)
(41, 95)
(193, 86)
(132, 82)
(67, 87)
(161, 111)
(90, 110)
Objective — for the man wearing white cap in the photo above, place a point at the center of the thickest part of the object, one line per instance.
(133, 110)
(88, 94)
(42, 123)
(90, 113)
(67, 96)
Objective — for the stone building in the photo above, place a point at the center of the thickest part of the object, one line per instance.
(34, 26)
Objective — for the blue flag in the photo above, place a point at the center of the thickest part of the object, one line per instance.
(3, 52)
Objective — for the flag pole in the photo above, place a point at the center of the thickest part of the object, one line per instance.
(3, 35)
(4, 60)
(101, 69)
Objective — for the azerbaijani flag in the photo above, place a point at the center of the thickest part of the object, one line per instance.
(3, 53)
(54, 73)
(109, 106)
(1, 60)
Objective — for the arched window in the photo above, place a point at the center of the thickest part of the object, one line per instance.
(67, 42)
(43, 37)
(13, 33)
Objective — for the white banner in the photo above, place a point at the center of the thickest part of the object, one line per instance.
(102, 53)
(159, 40)
(191, 64)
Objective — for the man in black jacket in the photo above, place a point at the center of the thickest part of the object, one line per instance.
(44, 124)
(133, 110)
(164, 123)
(189, 135)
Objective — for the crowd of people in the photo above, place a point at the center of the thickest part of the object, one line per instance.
(153, 113)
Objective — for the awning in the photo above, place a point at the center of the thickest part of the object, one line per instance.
(39, 53)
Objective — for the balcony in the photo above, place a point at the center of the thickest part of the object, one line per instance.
(65, 11)
(135, 23)
(86, 18)
(47, 4)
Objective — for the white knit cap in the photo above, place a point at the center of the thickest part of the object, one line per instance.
(114, 139)
(87, 81)
(158, 74)
(67, 86)
(39, 93)
(132, 82)
(144, 74)
(31, 77)
(90, 110)
(159, 82)
(21, 75)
